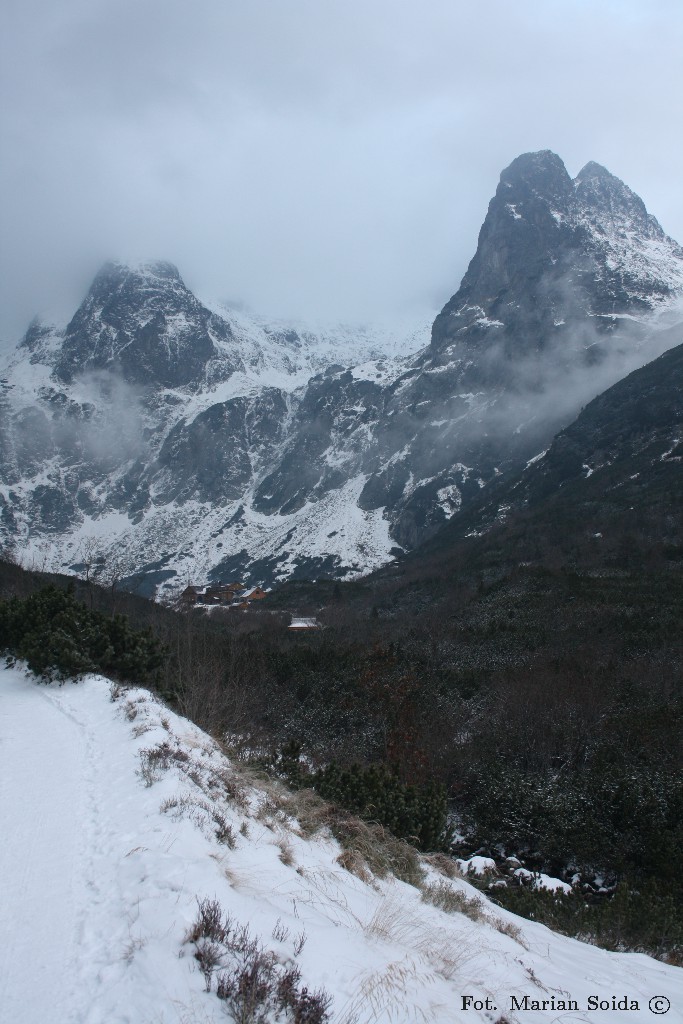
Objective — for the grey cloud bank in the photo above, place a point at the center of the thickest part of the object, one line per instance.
(305, 158)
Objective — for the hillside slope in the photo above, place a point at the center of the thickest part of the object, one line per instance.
(108, 848)
(609, 486)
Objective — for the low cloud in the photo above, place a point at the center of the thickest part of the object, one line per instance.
(311, 159)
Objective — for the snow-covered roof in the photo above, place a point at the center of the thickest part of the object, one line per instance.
(303, 623)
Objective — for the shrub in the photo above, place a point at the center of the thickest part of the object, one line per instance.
(375, 793)
(60, 638)
(415, 813)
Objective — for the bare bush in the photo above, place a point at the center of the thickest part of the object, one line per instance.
(209, 956)
(154, 760)
(299, 942)
(280, 932)
(210, 923)
(253, 986)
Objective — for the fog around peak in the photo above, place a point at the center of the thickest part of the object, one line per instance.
(323, 160)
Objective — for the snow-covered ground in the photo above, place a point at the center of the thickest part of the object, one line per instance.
(105, 854)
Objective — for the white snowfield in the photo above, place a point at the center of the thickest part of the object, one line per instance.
(103, 861)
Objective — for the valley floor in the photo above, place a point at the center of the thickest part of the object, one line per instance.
(106, 851)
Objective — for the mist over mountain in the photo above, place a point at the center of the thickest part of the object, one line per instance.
(185, 442)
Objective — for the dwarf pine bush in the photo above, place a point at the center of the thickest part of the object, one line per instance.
(59, 637)
(375, 793)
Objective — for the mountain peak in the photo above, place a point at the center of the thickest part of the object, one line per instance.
(540, 161)
(141, 321)
(551, 247)
(594, 170)
(159, 271)
(542, 172)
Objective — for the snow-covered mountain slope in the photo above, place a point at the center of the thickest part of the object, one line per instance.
(173, 442)
(149, 461)
(121, 820)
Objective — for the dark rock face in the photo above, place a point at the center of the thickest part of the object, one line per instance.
(144, 325)
(635, 425)
(335, 417)
(212, 458)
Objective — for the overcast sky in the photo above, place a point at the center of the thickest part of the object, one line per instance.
(325, 157)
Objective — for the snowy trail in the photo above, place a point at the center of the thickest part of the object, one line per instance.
(42, 852)
(68, 908)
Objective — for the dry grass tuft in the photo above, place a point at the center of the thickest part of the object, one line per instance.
(286, 853)
(510, 929)
(444, 865)
(354, 863)
(438, 950)
(381, 851)
(310, 811)
(203, 814)
(367, 847)
(141, 729)
(228, 784)
(453, 901)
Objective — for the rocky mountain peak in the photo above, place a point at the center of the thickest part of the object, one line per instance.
(541, 174)
(117, 286)
(552, 250)
(608, 202)
(141, 322)
(594, 170)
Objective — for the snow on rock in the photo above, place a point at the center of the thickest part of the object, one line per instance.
(539, 880)
(159, 474)
(192, 539)
(478, 866)
(119, 817)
